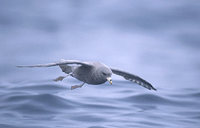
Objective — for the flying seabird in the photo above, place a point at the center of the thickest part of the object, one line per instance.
(93, 73)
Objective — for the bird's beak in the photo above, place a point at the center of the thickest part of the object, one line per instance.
(109, 79)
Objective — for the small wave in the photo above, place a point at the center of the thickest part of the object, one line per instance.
(195, 94)
(158, 100)
(186, 93)
(147, 98)
(88, 118)
(191, 114)
(36, 104)
(40, 87)
(96, 127)
(20, 126)
(100, 106)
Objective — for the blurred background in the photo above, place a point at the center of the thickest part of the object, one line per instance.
(157, 40)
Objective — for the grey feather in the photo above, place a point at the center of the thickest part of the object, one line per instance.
(62, 62)
(66, 68)
(133, 78)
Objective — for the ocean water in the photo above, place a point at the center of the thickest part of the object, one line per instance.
(156, 40)
(50, 105)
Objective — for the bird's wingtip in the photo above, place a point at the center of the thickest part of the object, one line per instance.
(153, 88)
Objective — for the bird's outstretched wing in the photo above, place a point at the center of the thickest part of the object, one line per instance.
(62, 62)
(133, 78)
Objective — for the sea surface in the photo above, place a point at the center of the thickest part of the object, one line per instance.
(156, 40)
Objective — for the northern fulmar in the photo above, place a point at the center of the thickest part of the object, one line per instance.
(91, 73)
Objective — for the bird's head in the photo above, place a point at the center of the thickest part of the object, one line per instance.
(106, 74)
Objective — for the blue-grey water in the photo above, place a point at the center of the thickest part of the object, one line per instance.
(157, 40)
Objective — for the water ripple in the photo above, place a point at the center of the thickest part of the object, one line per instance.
(116, 105)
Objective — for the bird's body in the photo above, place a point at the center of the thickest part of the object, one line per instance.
(90, 74)
(84, 74)
(93, 73)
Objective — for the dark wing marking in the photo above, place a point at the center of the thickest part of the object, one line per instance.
(133, 78)
(62, 62)
(66, 68)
